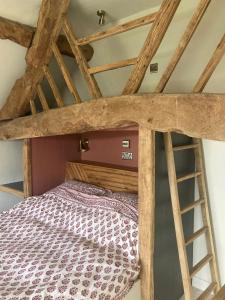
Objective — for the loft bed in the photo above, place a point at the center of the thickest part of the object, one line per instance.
(195, 114)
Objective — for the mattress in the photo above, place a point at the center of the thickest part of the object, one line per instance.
(68, 244)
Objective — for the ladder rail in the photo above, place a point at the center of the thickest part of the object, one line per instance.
(177, 218)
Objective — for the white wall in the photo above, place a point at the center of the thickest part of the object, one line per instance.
(12, 66)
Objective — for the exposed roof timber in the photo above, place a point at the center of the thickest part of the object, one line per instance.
(23, 35)
(196, 115)
(118, 29)
(189, 32)
(50, 20)
(152, 43)
(211, 66)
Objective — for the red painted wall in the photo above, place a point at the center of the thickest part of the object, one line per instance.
(49, 157)
(50, 154)
(106, 147)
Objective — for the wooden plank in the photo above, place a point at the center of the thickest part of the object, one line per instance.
(23, 35)
(185, 147)
(189, 176)
(53, 86)
(49, 25)
(109, 177)
(152, 43)
(177, 217)
(27, 171)
(14, 188)
(211, 66)
(42, 98)
(66, 74)
(82, 63)
(192, 205)
(146, 187)
(148, 19)
(113, 66)
(33, 107)
(158, 112)
(220, 295)
(189, 32)
(195, 235)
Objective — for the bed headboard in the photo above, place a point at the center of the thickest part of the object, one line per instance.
(113, 178)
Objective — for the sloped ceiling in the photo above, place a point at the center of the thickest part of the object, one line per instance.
(26, 11)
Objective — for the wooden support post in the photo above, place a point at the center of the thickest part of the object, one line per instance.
(27, 185)
(146, 210)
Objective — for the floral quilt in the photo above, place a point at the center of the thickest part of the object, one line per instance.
(68, 244)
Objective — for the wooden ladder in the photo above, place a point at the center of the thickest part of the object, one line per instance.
(207, 230)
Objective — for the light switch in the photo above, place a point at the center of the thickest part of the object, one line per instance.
(127, 155)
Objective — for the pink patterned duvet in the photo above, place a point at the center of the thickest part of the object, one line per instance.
(68, 245)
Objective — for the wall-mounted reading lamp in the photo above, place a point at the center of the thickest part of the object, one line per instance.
(84, 145)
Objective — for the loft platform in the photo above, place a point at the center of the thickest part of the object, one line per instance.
(14, 188)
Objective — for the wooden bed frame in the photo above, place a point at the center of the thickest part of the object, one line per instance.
(107, 176)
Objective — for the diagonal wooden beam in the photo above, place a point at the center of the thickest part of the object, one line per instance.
(211, 66)
(191, 28)
(142, 21)
(23, 35)
(49, 25)
(158, 112)
(152, 43)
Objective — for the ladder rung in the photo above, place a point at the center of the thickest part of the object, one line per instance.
(195, 235)
(192, 205)
(189, 176)
(113, 66)
(201, 264)
(208, 291)
(185, 147)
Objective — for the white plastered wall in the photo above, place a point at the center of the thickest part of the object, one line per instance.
(12, 66)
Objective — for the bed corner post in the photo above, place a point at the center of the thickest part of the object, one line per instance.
(146, 210)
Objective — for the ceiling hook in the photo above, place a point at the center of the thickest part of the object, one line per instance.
(101, 13)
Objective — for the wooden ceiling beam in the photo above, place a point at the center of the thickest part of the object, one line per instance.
(23, 35)
(196, 115)
(211, 66)
(189, 32)
(51, 16)
(152, 43)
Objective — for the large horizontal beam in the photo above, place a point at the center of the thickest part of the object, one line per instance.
(23, 35)
(196, 115)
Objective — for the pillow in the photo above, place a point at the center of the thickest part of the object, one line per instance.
(125, 197)
(86, 188)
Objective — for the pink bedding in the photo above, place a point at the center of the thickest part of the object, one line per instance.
(68, 245)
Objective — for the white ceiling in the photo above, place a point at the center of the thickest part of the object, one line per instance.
(82, 12)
